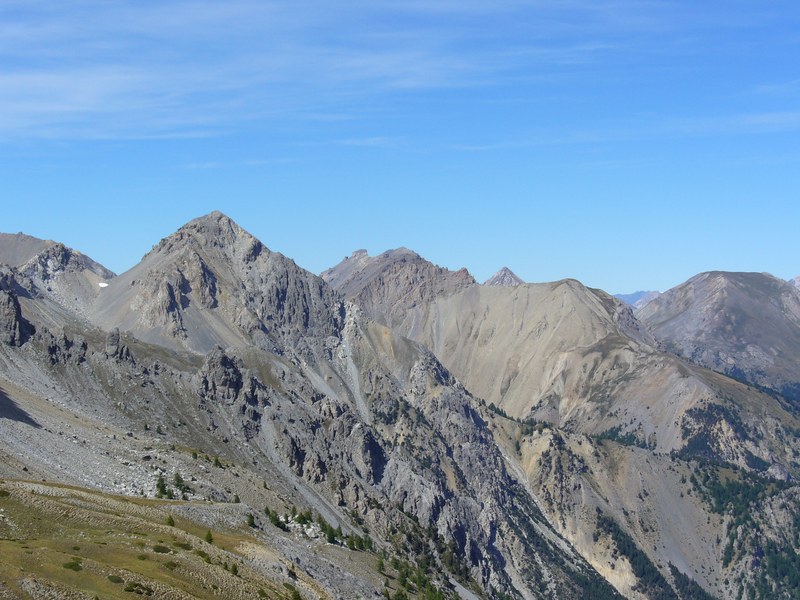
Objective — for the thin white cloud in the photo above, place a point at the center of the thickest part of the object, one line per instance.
(95, 69)
(656, 127)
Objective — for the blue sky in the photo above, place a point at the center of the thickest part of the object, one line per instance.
(627, 144)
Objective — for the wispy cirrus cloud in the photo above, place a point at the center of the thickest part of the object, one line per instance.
(656, 127)
(98, 70)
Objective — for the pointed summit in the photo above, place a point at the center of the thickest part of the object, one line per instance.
(504, 277)
(213, 283)
(212, 231)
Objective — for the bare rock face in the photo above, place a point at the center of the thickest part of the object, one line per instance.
(14, 328)
(221, 377)
(17, 248)
(115, 348)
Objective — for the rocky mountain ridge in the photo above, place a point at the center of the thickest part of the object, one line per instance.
(335, 413)
(572, 357)
(391, 428)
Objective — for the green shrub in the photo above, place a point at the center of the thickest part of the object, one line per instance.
(161, 549)
(116, 579)
(138, 588)
(73, 566)
(203, 555)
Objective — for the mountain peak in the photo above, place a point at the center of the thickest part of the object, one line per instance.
(214, 222)
(738, 323)
(213, 283)
(504, 277)
(212, 231)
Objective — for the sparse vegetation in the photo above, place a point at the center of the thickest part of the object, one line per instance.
(113, 558)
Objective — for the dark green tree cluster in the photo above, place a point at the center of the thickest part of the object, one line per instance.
(628, 438)
(333, 535)
(275, 518)
(164, 491)
(781, 566)
(688, 588)
(735, 493)
(650, 580)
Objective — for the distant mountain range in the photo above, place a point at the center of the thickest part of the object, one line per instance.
(637, 299)
(219, 422)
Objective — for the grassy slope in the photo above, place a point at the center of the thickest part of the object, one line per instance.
(113, 546)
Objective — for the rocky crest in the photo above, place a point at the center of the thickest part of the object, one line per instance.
(385, 286)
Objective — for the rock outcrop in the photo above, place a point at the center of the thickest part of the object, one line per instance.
(14, 329)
